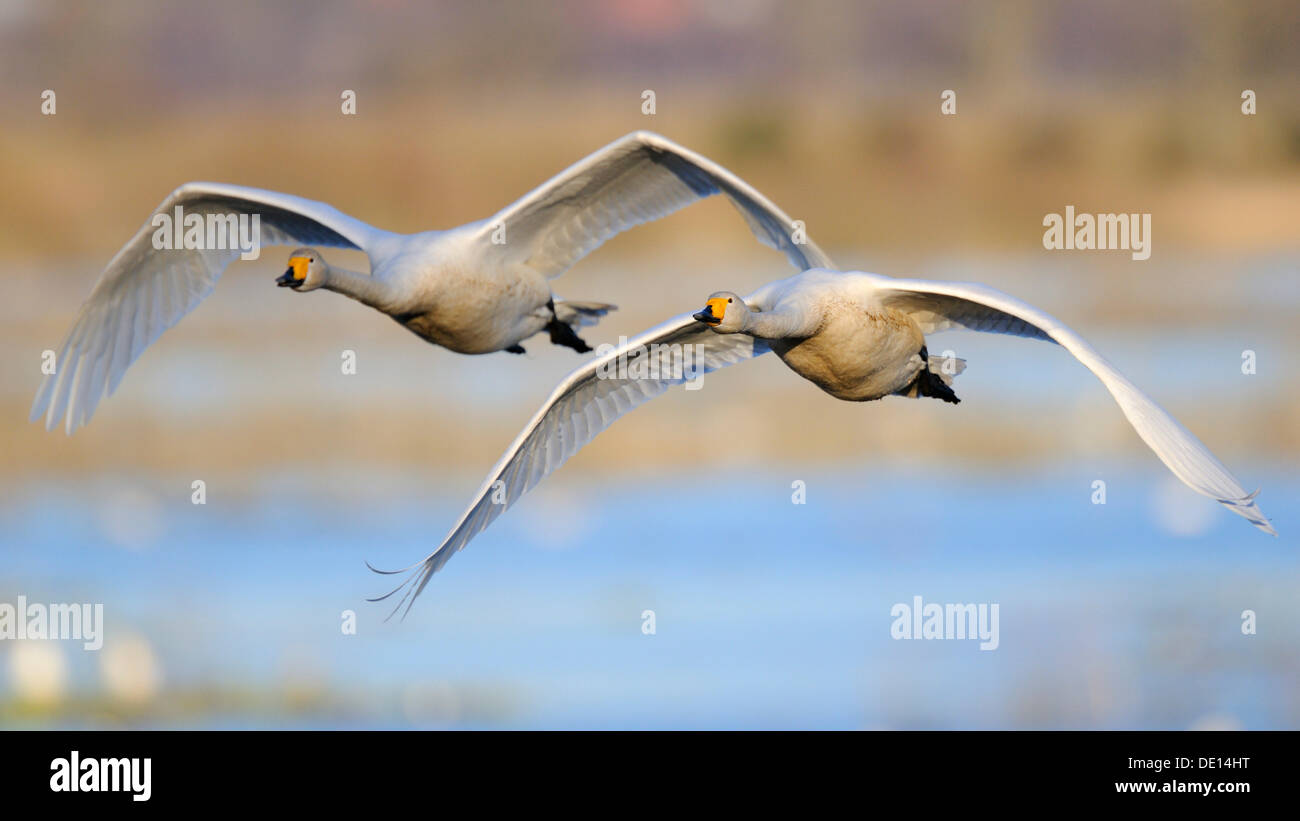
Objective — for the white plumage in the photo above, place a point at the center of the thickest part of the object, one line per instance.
(859, 336)
(478, 288)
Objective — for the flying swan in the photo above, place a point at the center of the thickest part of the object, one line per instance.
(475, 289)
(857, 336)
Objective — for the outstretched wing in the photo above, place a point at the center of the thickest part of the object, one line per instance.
(585, 403)
(638, 178)
(937, 306)
(145, 290)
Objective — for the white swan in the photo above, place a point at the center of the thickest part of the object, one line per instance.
(478, 288)
(857, 336)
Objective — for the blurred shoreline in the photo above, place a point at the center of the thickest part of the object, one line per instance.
(860, 173)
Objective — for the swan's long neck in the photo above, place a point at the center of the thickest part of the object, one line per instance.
(363, 288)
(783, 323)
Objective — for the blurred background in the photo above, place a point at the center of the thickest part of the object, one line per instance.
(229, 614)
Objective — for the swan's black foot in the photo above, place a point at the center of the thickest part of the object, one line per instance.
(516, 349)
(928, 383)
(562, 334)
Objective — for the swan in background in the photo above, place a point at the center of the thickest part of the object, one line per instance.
(475, 289)
(857, 336)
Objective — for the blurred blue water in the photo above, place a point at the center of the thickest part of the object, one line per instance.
(768, 614)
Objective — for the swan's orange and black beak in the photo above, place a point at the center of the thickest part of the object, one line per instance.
(294, 274)
(714, 311)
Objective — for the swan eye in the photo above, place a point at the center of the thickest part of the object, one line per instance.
(728, 300)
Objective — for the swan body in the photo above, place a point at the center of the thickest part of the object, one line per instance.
(843, 342)
(466, 305)
(476, 289)
(857, 336)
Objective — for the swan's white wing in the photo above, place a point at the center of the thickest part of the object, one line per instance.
(584, 404)
(144, 290)
(941, 305)
(638, 178)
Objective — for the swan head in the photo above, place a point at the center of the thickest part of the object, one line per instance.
(724, 312)
(306, 271)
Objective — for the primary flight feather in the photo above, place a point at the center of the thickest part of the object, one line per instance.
(857, 336)
(479, 288)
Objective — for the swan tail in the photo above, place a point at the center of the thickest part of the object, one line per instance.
(946, 368)
(581, 314)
